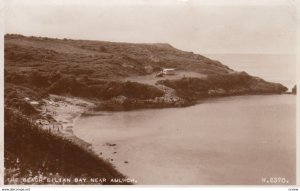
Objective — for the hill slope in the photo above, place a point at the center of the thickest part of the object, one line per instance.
(114, 76)
(100, 59)
(86, 69)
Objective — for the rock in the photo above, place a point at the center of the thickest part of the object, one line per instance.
(120, 99)
(110, 144)
(294, 90)
(218, 91)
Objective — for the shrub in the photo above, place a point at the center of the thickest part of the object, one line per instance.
(15, 78)
(37, 79)
(41, 151)
(227, 84)
(129, 89)
(69, 85)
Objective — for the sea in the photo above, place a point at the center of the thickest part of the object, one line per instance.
(271, 67)
(234, 140)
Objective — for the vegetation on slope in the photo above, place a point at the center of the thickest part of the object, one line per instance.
(56, 83)
(31, 152)
(37, 154)
(86, 69)
(98, 59)
(36, 67)
(222, 85)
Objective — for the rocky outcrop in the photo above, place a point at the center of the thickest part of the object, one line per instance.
(294, 90)
(238, 83)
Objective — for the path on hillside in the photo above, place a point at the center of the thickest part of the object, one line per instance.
(170, 93)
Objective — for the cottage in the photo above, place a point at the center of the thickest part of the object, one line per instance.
(34, 103)
(168, 71)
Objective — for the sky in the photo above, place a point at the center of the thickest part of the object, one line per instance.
(201, 26)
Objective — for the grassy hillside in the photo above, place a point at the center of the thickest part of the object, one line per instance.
(36, 67)
(94, 69)
(33, 152)
(105, 60)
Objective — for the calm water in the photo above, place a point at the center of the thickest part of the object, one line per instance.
(233, 140)
(274, 68)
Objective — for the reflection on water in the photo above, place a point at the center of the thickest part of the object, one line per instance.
(234, 140)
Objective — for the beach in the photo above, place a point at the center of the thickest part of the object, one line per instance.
(64, 111)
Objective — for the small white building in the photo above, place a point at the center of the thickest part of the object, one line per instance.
(34, 103)
(168, 71)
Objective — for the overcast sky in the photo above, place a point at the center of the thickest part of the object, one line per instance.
(245, 26)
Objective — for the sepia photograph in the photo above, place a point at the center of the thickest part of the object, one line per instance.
(161, 92)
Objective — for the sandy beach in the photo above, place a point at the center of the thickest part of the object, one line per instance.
(64, 111)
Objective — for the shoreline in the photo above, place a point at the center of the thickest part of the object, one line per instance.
(111, 77)
(172, 101)
(65, 111)
(63, 121)
(116, 148)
